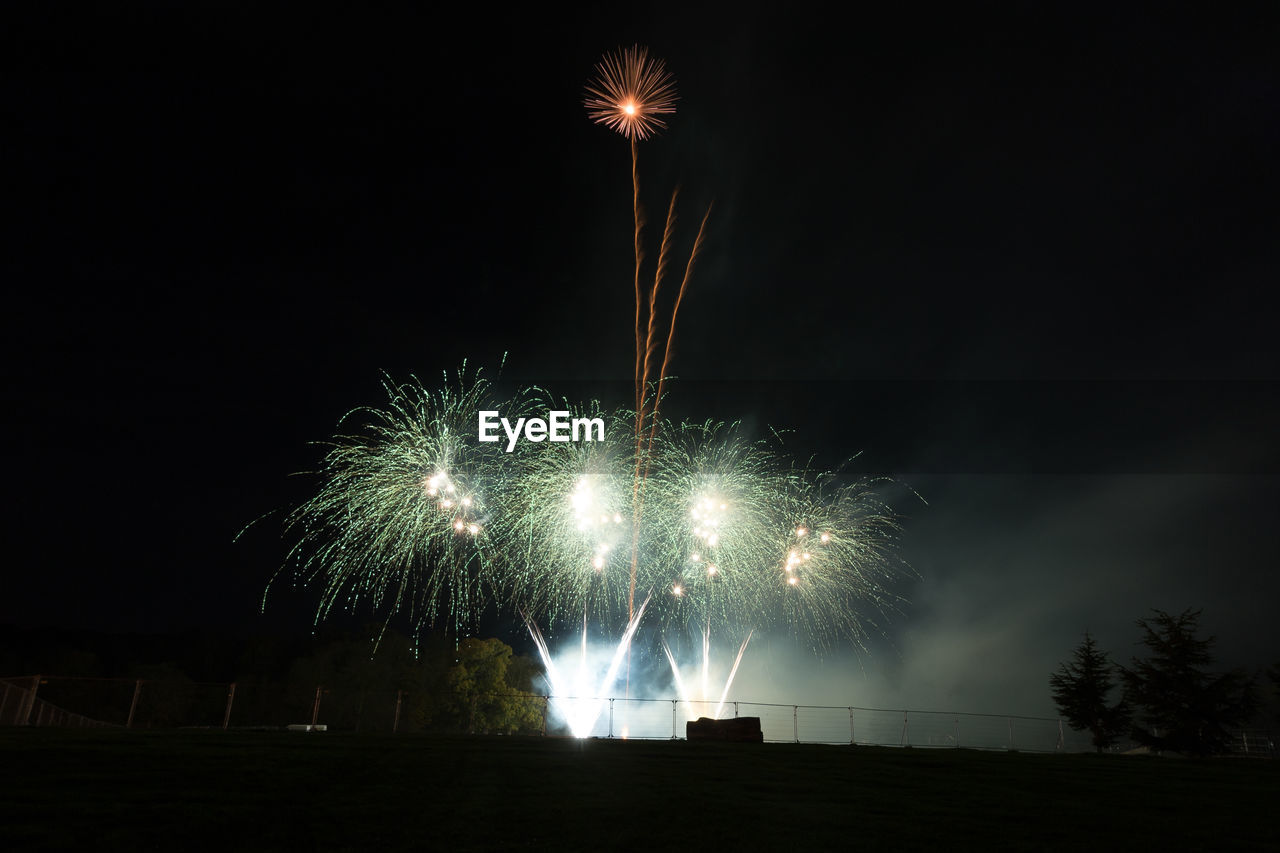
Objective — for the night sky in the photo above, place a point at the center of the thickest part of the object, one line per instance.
(1024, 263)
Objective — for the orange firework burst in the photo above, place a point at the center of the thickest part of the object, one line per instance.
(630, 93)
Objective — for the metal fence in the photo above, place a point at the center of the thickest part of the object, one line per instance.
(152, 704)
(104, 702)
(666, 718)
(21, 706)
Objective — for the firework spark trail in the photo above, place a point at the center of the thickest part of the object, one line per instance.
(675, 311)
(706, 656)
(650, 345)
(639, 227)
(650, 342)
(635, 485)
(671, 330)
(583, 702)
(733, 672)
(675, 672)
(642, 382)
(683, 692)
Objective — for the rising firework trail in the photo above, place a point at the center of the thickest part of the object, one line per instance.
(671, 330)
(630, 94)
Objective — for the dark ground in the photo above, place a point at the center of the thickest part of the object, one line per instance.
(65, 789)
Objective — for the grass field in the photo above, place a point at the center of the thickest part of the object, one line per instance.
(122, 790)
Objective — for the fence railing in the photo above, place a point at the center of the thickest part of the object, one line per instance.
(20, 705)
(845, 724)
(156, 704)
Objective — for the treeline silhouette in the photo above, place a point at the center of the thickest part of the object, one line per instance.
(361, 680)
(1168, 699)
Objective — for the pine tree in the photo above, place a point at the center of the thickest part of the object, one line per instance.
(1180, 706)
(1081, 688)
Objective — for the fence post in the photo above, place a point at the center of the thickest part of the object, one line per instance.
(904, 729)
(315, 706)
(955, 733)
(611, 717)
(1010, 719)
(133, 706)
(851, 741)
(735, 710)
(395, 724)
(546, 704)
(673, 719)
(231, 697)
(795, 722)
(31, 699)
(1061, 740)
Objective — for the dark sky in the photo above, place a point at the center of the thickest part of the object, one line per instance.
(1026, 264)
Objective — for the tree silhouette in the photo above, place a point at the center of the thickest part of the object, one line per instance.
(483, 697)
(1081, 688)
(1179, 705)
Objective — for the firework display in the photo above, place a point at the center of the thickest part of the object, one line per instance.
(414, 513)
(423, 509)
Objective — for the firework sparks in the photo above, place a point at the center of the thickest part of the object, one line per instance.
(695, 705)
(401, 518)
(630, 93)
(413, 511)
(713, 514)
(564, 520)
(837, 562)
(580, 699)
